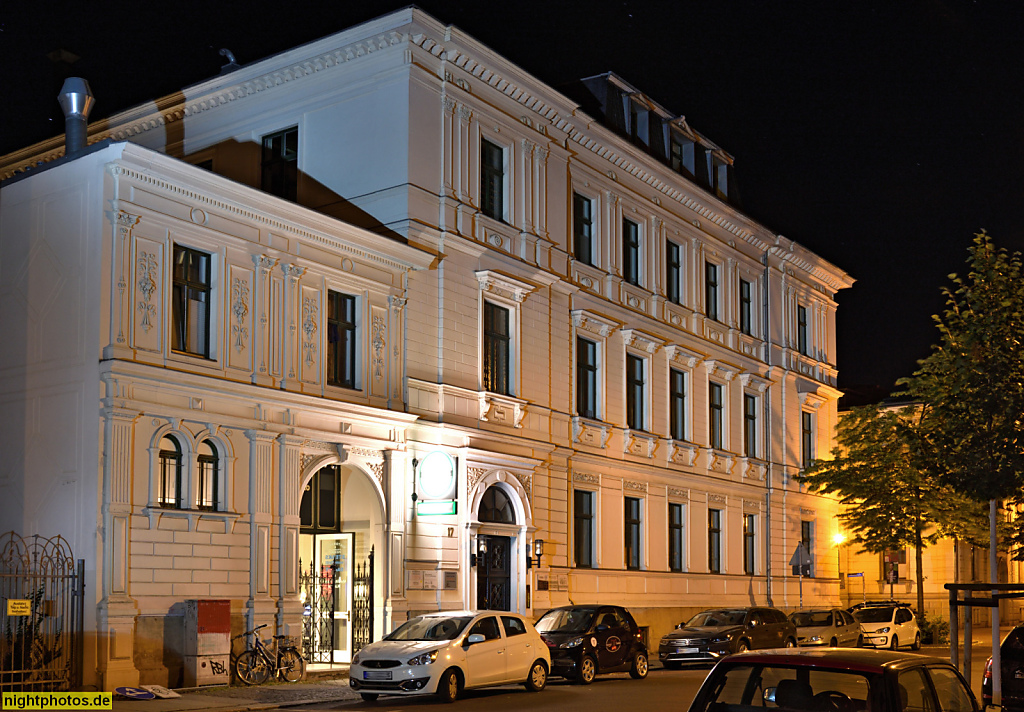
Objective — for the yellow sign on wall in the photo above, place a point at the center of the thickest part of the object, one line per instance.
(19, 607)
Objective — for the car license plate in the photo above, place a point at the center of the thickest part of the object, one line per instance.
(376, 674)
(686, 650)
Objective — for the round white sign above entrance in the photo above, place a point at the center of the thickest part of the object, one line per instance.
(437, 476)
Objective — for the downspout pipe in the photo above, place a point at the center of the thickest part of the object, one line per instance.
(766, 331)
(76, 101)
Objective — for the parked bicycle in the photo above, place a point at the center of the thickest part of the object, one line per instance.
(260, 660)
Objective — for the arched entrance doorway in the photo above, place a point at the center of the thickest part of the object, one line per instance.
(495, 550)
(340, 531)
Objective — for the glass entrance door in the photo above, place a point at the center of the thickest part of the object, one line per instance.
(334, 556)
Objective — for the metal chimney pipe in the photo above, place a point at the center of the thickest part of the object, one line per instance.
(76, 101)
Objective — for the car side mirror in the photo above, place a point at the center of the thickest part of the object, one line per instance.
(769, 695)
(474, 639)
(678, 626)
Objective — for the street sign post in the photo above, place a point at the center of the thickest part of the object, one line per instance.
(801, 563)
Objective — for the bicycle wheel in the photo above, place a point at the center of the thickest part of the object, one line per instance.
(251, 668)
(291, 665)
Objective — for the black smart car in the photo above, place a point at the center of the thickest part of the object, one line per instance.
(587, 640)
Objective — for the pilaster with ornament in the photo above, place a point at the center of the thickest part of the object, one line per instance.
(378, 351)
(526, 186)
(292, 275)
(396, 380)
(463, 172)
(120, 322)
(312, 335)
(540, 192)
(263, 265)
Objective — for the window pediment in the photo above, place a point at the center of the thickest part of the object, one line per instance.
(594, 323)
(501, 286)
(634, 338)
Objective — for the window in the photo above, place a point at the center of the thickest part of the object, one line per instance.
(676, 529)
(719, 176)
(341, 340)
(583, 229)
(586, 378)
(638, 129)
(749, 425)
(632, 533)
(635, 400)
(746, 311)
(631, 252)
(190, 308)
(487, 627)
(715, 541)
(715, 414)
(711, 290)
(673, 272)
(583, 528)
(496, 349)
(209, 477)
(749, 527)
(806, 439)
(279, 166)
(682, 155)
(807, 539)
(801, 329)
(318, 510)
(513, 626)
(492, 180)
(677, 404)
(170, 473)
(952, 694)
(496, 507)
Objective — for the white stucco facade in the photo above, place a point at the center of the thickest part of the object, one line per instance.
(391, 117)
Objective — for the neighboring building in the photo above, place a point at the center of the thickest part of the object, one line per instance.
(407, 297)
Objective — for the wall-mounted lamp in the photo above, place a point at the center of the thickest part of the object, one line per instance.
(533, 560)
(480, 553)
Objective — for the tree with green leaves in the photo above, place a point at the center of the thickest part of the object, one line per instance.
(888, 500)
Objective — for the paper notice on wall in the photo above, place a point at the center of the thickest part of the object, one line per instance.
(430, 580)
(415, 580)
(543, 581)
(563, 582)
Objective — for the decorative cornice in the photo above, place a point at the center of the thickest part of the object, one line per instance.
(594, 323)
(634, 338)
(720, 369)
(750, 380)
(684, 357)
(503, 286)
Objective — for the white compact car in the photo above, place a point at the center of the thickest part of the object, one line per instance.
(448, 652)
(888, 627)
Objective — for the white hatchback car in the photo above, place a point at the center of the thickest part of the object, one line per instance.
(447, 652)
(888, 627)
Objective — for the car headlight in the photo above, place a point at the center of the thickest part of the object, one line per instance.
(425, 658)
(814, 639)
(720, 639)
(883, 630)
(572, 643)
(357, 657)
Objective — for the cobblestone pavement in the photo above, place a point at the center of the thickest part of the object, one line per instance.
(238, 698)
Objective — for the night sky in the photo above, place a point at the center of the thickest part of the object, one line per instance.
(880, 134)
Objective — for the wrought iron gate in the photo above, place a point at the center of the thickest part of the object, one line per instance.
(320, 606)
(362, 605)
(42, 604)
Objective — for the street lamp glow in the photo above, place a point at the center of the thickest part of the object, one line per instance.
(838, 538)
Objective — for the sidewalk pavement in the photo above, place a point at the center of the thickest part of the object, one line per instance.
(237, 698)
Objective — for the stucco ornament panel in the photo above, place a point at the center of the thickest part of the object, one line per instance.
(639, 444)
(125, 222)
(148, 265)
(678, 493)
(716, 498)
(380, 331)
(755, 470)
(632, 486)
(586, 477)
(474, 475)
(240, 310)
(310, 317)
(590, 432)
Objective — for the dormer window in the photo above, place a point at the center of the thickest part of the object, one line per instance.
(719, 176)
(682, 155)
(637, 122)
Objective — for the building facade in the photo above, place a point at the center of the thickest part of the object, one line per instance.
(386, 292)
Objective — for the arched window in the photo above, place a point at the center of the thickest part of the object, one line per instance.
(496, 507)
(209, 477)
(170, 473)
